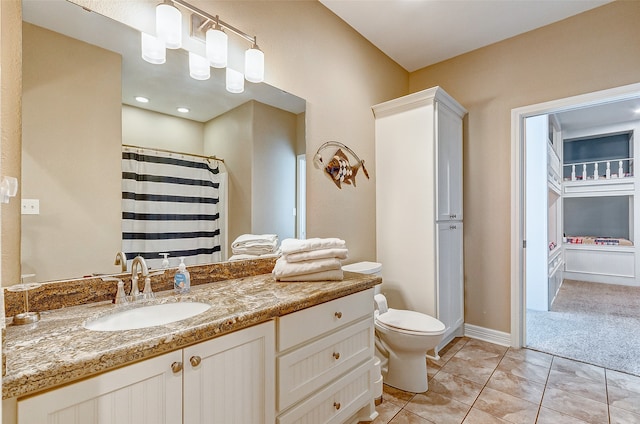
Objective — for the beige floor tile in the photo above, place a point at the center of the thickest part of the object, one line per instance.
(525, 370)
(506, 407)
(517, 386)
(571, 382)
(580, 369)
(530, 356)
(549, 416)
(477, 371)
(397, 396)
(472, 352)
(455, 387)
(623, 381)
(406, 417)
(478, 416)
(438, 408)
(489, 347)
(620, 416)
(433, 367)
(576, 406)
(451, 349)
(386, 411)
(624, 399)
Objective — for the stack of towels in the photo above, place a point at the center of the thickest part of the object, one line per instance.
(316, 259)
(253, 246)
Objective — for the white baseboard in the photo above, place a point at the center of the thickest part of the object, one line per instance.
(487, 335)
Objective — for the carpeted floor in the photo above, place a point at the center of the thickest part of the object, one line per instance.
(590, 322)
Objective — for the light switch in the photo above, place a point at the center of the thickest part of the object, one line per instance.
(30, 206)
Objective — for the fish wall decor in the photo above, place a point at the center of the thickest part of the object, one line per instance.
(339, 167)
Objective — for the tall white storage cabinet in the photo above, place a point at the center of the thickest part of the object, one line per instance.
(419, 205)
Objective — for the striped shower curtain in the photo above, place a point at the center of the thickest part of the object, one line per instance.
(172, 203)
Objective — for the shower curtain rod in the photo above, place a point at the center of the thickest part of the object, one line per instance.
(174, 152)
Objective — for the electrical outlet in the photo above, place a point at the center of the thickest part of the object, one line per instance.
(30, 206)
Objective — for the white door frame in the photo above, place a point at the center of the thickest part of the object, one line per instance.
(518, 195)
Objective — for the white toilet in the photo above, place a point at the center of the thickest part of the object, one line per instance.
(402, 338)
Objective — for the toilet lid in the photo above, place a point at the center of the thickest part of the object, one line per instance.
(411, 321)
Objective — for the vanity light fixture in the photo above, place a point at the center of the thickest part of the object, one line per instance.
(169, 35)
(141, 99)
(153, 49)
(254, 63)
(235, 81)
(199, 68)
(217, 45)
(169, 24)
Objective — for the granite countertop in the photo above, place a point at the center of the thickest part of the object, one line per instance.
(58, 349)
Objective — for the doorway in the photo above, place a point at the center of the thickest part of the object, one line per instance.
(519, 191)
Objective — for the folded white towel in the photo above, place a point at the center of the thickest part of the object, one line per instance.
(297, 245)
(242, 256)
(330, 275)
(317, 254)
(290, 269)
(255, 244)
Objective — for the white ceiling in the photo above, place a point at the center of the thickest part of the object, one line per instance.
(419, 33)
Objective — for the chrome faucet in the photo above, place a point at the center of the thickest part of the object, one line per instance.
(121, 259)
(138, 262)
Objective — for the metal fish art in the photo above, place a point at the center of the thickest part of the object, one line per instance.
(341, 170)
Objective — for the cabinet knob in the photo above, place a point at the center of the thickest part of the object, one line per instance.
(195, 361)
(176, 367)
(336, 355)
(338, 315)
(336, 405)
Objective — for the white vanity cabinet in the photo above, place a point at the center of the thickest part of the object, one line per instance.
(325, 362)
(229, 379)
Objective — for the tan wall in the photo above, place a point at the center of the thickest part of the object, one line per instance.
(596, 50)
(71, 129)
(145, 128)
(311, 53)
(10, 131)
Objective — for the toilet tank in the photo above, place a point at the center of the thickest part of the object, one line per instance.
(370, 268)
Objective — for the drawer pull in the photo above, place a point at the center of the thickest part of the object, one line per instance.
(336, 355)
(338, 315)
(336, 405)
(195, 361)
(176, 367)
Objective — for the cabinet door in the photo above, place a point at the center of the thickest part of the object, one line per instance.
(231, 379)
(450, 277)
(146, 392)
(449, 164)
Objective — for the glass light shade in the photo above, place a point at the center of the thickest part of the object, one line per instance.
(235, 81)
(153, 49)
(169, 25)
(217, 48)
(199, 67)
(254, 65)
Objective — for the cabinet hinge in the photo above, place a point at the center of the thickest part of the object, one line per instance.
(524, 244)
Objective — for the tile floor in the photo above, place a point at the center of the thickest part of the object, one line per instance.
(476, 382)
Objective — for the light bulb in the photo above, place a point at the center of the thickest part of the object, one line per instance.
(153, 49)
(199, 68)
(169, 25)
(235, 81)
(217, 48)
(254, 64)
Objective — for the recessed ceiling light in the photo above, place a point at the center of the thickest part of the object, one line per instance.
(183, 110)
(142, 99)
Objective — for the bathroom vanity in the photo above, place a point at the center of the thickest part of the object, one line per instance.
(265, 352)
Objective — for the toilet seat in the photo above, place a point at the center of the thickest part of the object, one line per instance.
(410, 322)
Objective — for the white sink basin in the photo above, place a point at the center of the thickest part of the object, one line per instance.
(146, 316)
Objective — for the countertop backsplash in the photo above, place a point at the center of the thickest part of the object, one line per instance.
(66, 293)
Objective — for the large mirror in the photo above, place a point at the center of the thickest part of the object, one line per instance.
(81, 74)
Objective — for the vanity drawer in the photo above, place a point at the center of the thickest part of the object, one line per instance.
(336, 402)
(305, 370)
(304, 325)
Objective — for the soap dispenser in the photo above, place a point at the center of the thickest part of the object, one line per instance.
(182, 279)
(165, 261)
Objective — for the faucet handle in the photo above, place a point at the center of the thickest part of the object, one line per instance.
(121, 296)
(147, 292)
